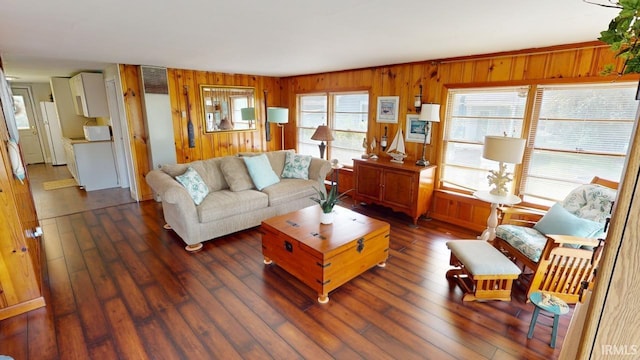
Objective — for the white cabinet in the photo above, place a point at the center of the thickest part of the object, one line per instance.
(92, 164)
(89, 95)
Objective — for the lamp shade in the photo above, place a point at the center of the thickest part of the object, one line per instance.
(430, 112)
(278, 115)
(248, 113)
(503, 149)
(322, 133)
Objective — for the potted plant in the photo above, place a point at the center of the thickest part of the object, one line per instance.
(328, 201)
(623, 35)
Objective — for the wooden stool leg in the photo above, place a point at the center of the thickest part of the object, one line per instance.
(534, 319)
(554, 330)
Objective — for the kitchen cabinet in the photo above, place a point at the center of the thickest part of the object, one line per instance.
(91, 163)
(89, 95)
(405, 188)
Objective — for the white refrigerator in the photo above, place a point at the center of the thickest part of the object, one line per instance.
(54, 132)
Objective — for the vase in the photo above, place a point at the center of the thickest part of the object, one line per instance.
(326, 218)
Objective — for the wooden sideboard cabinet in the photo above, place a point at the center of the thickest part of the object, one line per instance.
(404, 187)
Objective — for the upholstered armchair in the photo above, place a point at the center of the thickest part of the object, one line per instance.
(559, 249)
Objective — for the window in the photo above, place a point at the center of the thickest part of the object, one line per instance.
(472, 114)
(347, 114)
(20, 107)
(575, 132)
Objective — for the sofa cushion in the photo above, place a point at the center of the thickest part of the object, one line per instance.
(559, 221)
(290, 189)
(194, 185)
(276, 158)
(211, 173)
(236, 173)
(224, 203)
(260, 171)
(296, 166)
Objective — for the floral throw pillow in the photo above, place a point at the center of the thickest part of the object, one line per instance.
(194, 184)
(296, 166)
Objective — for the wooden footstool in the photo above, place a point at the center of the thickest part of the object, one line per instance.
(482, 271)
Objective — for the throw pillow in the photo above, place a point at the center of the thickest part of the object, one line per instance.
(296, 166)
(235, 173)
(194, 184)
(260, 171)
(559, 221)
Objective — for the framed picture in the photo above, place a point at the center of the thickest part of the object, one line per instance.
(416, 129)
(388, 109)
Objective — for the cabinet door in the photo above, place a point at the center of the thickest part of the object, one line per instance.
(399, 188)
(368, 180)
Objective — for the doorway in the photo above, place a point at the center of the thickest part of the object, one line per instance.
(27, 122)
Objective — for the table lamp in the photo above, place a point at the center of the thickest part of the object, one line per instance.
(428, 113)
(322, 133)
(278, 116)
(504, 150)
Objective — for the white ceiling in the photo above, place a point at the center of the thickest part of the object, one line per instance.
(43, 38)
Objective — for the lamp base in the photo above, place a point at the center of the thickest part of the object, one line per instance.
(322, 146)
(422, 162)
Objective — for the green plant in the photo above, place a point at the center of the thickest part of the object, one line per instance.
(623, 35)
(329, 200)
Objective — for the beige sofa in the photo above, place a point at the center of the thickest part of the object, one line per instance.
(233, 202)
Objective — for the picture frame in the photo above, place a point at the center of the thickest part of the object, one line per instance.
(387, 109)
(415, 129)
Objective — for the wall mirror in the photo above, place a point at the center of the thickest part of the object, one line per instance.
(228, 108)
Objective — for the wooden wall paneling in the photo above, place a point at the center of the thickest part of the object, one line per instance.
(455, 73)
(172, 80)
(518, 65)
(176, 99)
(535, 68)
(464, 211)
(481, 70)
(131, 89)
(583, 62)
(561, 65)
(208, 141)
(500, 69)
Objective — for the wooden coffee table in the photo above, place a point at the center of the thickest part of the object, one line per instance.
(325, 256)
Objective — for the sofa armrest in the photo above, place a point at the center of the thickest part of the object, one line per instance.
(168, 188)
(318, 171)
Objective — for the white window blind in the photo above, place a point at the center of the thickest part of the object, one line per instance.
(577, 132)
(347, 114)
(471, 115)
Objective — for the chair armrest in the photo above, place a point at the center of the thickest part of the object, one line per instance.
(519, 216)
(574, 240)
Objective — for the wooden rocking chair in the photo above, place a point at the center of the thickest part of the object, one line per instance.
(559, 264)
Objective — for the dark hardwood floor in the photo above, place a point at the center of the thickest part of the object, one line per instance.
(119, 286)
(71, 200)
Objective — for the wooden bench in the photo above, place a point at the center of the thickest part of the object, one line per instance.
(482, 271)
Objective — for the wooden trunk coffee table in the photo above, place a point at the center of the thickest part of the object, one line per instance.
(325, 256)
